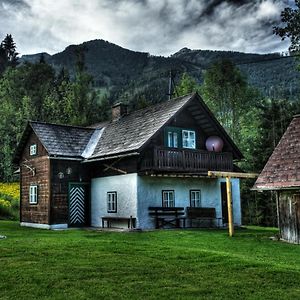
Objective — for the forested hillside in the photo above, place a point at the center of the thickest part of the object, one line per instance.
(119, 72)
(253, 96)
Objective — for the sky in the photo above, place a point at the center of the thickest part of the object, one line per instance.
(160, 27)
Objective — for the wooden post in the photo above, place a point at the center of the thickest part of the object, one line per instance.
(229, 206)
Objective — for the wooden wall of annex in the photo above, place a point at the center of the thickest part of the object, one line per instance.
(35, 213)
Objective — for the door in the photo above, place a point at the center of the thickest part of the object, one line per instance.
(224, 202)
(78, 204)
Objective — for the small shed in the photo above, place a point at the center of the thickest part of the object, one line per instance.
(282, 174)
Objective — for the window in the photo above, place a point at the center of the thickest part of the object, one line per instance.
(168, 199)
(172, 139)
(112, 202)
(188, 139)
(33, 194)
(33, 149)
(176, 137)
(195, 198)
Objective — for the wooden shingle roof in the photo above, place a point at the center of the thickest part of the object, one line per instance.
(132, 131)
(282, 171)
(127, 135)
(58, 140)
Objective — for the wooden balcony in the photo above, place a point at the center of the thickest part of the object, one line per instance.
(186, 161)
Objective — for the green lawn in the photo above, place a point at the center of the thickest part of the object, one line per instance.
(169, 264)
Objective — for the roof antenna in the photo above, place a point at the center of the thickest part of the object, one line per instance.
(172, 86)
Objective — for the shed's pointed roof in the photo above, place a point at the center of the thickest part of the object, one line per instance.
(282, 171)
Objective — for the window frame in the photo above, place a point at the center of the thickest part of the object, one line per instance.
(112, 204)
(189, 139)
(31, 152)
(194, 200)
(33, 194)
(168, 200)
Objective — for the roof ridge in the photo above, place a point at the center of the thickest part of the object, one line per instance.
(152, 106)
(61, 125)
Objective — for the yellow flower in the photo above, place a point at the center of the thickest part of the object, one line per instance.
(4, 203)
(11, 190)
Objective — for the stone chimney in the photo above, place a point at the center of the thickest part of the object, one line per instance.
(118, 110)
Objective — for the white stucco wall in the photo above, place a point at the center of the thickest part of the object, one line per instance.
(150, 194)
(136, 193)
(126, 188)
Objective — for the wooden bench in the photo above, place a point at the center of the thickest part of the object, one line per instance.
(130, 221)
(171, 216)
(202, 214)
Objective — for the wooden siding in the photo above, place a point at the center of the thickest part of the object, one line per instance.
(35, 213)
(289, 216)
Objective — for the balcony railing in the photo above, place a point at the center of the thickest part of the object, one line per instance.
(186, 160)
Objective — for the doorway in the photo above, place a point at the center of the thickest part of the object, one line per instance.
(224, 203)
(79, 204)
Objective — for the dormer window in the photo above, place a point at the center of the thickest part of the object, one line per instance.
(33, 149)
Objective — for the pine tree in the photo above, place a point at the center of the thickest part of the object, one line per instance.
(9, 47)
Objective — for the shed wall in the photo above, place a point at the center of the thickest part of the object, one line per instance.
(289, 216)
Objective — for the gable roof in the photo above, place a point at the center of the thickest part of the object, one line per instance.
(58, 140)
(129, 134)
(134, 130)
(282, 171)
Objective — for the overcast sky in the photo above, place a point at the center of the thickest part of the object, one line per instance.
(160, 27)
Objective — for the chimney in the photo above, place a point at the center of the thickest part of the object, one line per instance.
(118, 110)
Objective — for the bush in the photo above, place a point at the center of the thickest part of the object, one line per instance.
(9, 200)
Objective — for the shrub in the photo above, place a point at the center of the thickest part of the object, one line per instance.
(9, 200)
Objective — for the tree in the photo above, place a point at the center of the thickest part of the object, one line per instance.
(9, 47)
(186, 86)
(291, 29)
(228, 95)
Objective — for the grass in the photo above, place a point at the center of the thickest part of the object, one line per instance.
(166, 264)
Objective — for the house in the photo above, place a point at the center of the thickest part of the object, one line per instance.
(282, 174)
(157, 156)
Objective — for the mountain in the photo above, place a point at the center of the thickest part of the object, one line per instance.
(122, 73)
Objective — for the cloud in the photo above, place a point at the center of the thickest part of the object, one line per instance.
(160, 27)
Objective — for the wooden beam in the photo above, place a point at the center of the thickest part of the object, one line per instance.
(231, 174)
(229, 206)
(113, 168)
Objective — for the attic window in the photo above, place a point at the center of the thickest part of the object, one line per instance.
(188, 139)
(33, 149)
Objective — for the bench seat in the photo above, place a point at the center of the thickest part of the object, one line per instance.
(131, 222)
(167, 216)
(202, 214)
